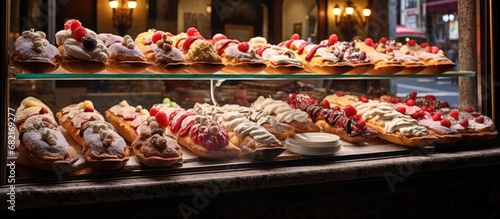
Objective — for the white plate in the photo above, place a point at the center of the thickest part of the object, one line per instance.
(314, 139)
(313, 151)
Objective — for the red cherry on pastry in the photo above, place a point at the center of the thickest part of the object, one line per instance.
(412, 95)
(401, 109)
(243, 47)
(192, 31)
(295, 36)
(361, 123)
(480, 119)
(153, 111)
(475, 114)
(363, 99)
(424, 44)
(43, 110)
(336, 108)
(161, 118)
(358, 116)
(349, 111)
(395, 100)
(431, 109)
(436, 116)
(469, 109)
(333, 39)
(434, 49)
(454, 114)
(446, 123)
(156, 36)
(369, 41)
(430, 97)
(383, 40)
(428, 49)
(88, 109)
(464, 123)
(325, 103)
(389, 49)
(412, 42)
(339, 93)
(410, 102)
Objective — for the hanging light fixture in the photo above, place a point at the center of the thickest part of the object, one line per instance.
(349, 17)
(122, 14)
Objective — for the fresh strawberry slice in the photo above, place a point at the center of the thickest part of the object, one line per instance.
(464, 123)
(412, 95)
(469, 109)
(436, 116)
(446, 123)
(410, 102)
(411, 42)
(361, 124)
(363, 99)
(454, 114)
(401, 109)
(480, 119)
(434, 49)
(349, 111)
(190, 40)
(325, 103)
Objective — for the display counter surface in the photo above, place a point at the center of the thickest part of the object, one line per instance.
(394, 170)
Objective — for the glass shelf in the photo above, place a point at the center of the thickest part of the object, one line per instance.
(221, 75)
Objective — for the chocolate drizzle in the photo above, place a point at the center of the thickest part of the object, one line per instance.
(334, 118)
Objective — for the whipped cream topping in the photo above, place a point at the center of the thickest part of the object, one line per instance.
(281, 111)
(75, 49)
(281, 56)
(233, 52)
(257, 42)
(34, 44)
(241, 126)
(383, 114)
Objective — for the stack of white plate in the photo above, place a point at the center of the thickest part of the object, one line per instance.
(314, 143)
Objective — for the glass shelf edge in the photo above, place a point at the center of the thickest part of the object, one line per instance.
(151, 76)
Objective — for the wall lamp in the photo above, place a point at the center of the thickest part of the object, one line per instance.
(349, 17)
(122, 14)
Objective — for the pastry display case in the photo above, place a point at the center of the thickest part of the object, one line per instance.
(170, 105)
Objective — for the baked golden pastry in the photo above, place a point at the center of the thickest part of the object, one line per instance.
(432, 57)
(80, 49)
(105, 149)
(384, 63)
(279, 60)
(125, 55)
(126, 119)
(348, 52)
(237, 56)
(42, 143)
(34, 54)
(143, 40)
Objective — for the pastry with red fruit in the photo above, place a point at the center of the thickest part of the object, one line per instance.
(348, 52)
(126, 119)
(125, 55)
(34, 54)
(198, 133)
(104, 148)
(237, 56)
(345, 123)
(394, 126)
(384, 63)
(80, 49)
(143, 40)
(74, 116)
(164, 56)
(279, 60)
(403, 54)
(42, 143)
(472, 126)
(316, 58)
(198, 52)
(432, 57)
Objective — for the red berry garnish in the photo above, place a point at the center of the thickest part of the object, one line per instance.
(412, 42)
(43, 110)
(156, 36)
(192, 31)
(464, 123)
(295, 36)
(423, 108)
(454, 114)
(349, 111)
(161, 118)
(446, 123)
(243, 47)
(325, 103)
(436, 116)
(424, 44)
(339, 93)
(434, 49)
(383, 40)
(336, 108)
(428, 49)
(361, 124)
(72, 24)
(401, 109)
(430, 97)
(395, 100)
(469, 109)
(416, 115)
(363, 99)
(375, 98)
(358, 116)
(79, 33)
(153, 111)
(475, 114)
(389, 49)
(480, 119)
(410, 102)
(431, 109)
(333, 39)
(88, 109)
(412, 95)
(311, 101)
(369, 41)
